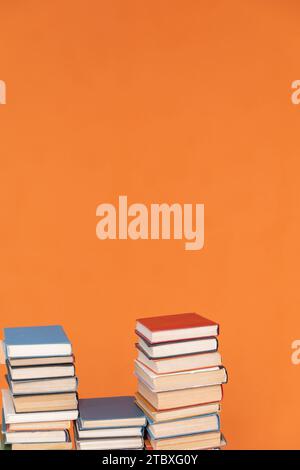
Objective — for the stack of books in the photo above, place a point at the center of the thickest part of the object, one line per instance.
(109, 423)
(41, 399)
(180, 377)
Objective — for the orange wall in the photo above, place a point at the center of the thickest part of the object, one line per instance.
(165, 101)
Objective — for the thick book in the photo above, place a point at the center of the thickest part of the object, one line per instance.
(191, 442)
(41, 372)
(36, 387)
(177, 348)
(130, 443)
(12, 417)
(176, 327)
(44, 446)
(183, 427)
(160, 416)
(41, 361)
(41, 426)
(179, 398)
(46, 402)
(33, 436)
(180, 380)
(180, 363)
(109, 412)
(106, 433)
(36, 341)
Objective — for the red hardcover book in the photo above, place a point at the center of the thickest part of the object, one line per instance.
(184, 326)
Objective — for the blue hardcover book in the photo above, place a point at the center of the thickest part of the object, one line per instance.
(184, 427)
(36, 341)
(109, 412)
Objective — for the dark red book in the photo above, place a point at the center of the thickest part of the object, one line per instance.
(184, 326)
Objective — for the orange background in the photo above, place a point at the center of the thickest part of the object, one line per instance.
(163, 101)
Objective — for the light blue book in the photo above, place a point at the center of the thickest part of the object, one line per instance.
(109, 412)
(36, 341)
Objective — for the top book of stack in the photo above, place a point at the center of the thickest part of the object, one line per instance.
(168, 328)
(38, 341)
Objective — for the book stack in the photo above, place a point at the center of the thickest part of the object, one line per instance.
(109, 423)
(41, 399)
(180, 377)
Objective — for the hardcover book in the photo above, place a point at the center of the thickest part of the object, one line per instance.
(111, 444)
(37, 341)
(180, 380)
(109, 412)
(45, 402)
(159, 416)
(105, 433)
(177, 348)
(44, 446)
(41, 372)
(13, 417)
(36, 387)
(176, 327)
(40, 361)
(40, 426)
(180, 398)
(183, 427)
(180, 363)
(191, 442)
(33, 436)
